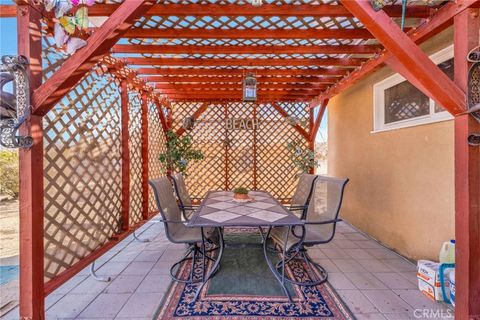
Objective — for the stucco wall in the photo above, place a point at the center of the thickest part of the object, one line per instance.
(401, 188)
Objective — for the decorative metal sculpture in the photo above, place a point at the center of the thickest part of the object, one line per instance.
(188, 123)
(14, 107)
(473, 98)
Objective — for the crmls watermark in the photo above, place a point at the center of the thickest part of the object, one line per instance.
(433, 314)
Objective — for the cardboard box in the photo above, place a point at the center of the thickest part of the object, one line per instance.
(429, 280)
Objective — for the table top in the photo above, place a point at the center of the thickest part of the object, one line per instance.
(219, 209)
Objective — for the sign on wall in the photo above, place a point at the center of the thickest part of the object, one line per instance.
(242, 124)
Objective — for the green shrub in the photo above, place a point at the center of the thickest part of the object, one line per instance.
(240, 190)
(9, 173)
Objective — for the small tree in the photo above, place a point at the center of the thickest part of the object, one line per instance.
(180, 152)
(9, 173)
(302, 157)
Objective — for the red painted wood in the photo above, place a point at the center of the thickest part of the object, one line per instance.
(98, 44)
(31, 211)
(240, 73)
(145, 192)
(195, 116)
(173, 87)
(318, 120)
(238, 80)
(296, 127)
(161, 115)
(344, 62)
(246, 49)
(255, 111)
(125, 156)
(442, 89)
(467, 180)
(438, 22)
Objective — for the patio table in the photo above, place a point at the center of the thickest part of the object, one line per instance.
(219, 210)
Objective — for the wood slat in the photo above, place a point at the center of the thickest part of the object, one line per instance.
(345, 62)
(246, 49)
(214, 79)
(212, 86)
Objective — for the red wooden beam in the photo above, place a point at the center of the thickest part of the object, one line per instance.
(442, 89)
(161, 115)
(98, 44)
(286, 115)
(145, 193)
(31, 211)
(343, 62)
(438, 22)
(195, 116)
(240, 72)
(246, 49)
(154, 33)
(467, 179)
(125, 156)
(237, 86)
(227, 93)
(260, 79)
(318, 120)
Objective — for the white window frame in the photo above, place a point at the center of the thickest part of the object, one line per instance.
(379, 88)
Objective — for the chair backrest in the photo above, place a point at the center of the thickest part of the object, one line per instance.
(324, 206)
(181, 190)
(303, 192)
(168, 207)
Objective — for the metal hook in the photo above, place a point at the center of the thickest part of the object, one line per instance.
(95, 276)
(140, 239)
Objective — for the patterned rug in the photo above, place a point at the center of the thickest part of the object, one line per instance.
(244, 288)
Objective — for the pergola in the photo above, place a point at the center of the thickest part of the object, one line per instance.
(302, 53)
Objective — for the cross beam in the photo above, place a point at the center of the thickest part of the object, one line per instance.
(422, 69)
(237, 79)
(334, 72)
(98, 44)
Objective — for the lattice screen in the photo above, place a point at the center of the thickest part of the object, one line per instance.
(135, 145)
(156, 146)
(229, 155)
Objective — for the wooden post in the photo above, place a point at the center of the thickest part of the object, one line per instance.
(311, 141)
(32, 297)
(144, 155)
(125, 156)
(467, 179)
(227, 148)
(255, 106)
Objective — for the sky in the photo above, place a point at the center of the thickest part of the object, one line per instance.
(8, 46)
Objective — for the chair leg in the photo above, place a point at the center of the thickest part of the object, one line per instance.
(316, 269)
(193, 253)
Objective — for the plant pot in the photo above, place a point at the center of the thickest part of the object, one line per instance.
(241, 196)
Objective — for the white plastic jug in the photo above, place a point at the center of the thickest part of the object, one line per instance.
(447, 252)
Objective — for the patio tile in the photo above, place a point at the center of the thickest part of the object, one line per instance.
(111, 268)
(410, 276)
(417, 300)
(161, 267)
(106, 305)
(369, 316)
(70, 284)
(387, 301)
(138, 268)
(400, 265)
(89, 286)
(340, 281)
(355, 236)
(125, 256)
(328, 265)
(357, 302)
(51, 299)
(368, 244)
(374, 265)
(172, 255)
(141, 305)
(358, 254)
(382, 253)
(345, 244)
(157, 246)
(348, 265)
(154, 284)
(395, 281)
(400, 316)
(13, 314)
(316, 253)
(149, 256)
(124, 284)
(335, 253)
(69, 306)
(365, 280)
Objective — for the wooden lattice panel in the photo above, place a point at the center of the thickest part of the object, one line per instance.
(240, 162)
(82, 173)
(156, 146)
(275, 171)
(209, 136)
(135, 145)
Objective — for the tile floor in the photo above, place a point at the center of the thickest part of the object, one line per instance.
(374, 282)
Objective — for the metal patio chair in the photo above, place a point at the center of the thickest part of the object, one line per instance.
(185, 201)
(177, 231)
(320, 223)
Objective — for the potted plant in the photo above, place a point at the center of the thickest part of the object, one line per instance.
(240, 193)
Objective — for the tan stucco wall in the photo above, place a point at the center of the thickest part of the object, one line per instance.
(401, 188)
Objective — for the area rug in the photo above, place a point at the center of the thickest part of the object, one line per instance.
(245, 288)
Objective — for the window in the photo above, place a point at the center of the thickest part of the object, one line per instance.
(399, 104)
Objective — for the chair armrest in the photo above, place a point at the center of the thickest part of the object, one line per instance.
(297, 207)
(171, 221)
(189, 207)
(322, 222)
